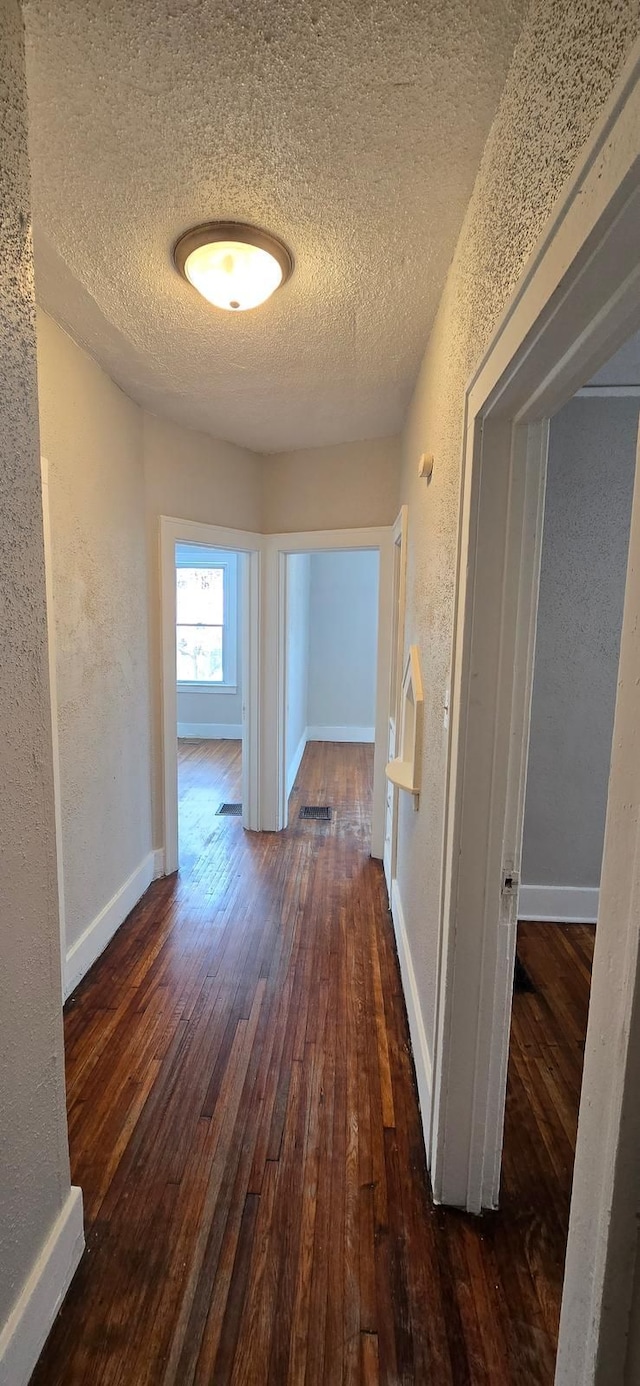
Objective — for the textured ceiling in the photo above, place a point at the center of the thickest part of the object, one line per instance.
(351, 128)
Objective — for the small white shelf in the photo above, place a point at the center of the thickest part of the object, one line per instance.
(400, 772)
(404, 772)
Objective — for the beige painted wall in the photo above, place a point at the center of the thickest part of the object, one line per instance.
(34, 1162)
(356, 484)
(190, 477)
(195, 477)
(564, 65)
(92, 438)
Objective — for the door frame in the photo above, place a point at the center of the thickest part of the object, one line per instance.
(171, 532)
(278, 547)
(577, 302)
(398, 615)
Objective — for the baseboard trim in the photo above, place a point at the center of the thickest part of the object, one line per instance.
(158, 863)
(421, 1054)
(82, 955)
(341, 733)
(295, 763)
(558, 904)
(210, 731)
(26, 1330)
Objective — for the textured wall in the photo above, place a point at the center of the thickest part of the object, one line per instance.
(92, 437)
(564, 66)
(34, 1167)
(343, 639)
(592, 455)
(332, 488)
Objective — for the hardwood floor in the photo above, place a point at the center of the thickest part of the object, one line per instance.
(209, 774)
(244, 1125)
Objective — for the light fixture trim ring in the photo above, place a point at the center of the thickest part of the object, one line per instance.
(211, 231)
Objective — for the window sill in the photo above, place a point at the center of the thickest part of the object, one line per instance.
(194, 687)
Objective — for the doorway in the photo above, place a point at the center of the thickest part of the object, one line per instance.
(287, 554)
(585, 539)
(210, 680)
(209, 693)
(330, 675)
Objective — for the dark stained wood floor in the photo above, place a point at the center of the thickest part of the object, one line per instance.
(244, 1126)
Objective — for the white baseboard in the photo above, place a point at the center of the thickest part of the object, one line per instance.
(341, 733)
(421, 1054)
(558, 904)
(295, 763)
(26, 1330)
(83, 953)
(210, 731)
(158, 863)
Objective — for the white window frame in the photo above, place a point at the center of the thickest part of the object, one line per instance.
(212, 558)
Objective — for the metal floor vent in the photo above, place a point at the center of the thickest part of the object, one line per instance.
(230, 810)
(321, 812)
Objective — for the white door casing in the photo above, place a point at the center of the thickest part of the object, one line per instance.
(399, 586)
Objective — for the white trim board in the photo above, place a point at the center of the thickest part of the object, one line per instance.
(341, 733)
(26, 1330)
(558, 904)
(419, 1044)
(296, 760)
(210, 731)
(608, 392)
(84, 952)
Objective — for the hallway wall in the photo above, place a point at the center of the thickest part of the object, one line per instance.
(92, 438)
(564, 66)
(40, 1212)
(348, 485)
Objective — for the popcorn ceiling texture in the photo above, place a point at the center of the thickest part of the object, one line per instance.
(564, 67)
(354, 131)
(34, 1166)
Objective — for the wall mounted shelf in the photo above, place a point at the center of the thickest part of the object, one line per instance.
(404, 771)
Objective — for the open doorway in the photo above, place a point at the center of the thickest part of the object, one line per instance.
(209, 694)
(331, 616)
(210, 602)
(585, 541)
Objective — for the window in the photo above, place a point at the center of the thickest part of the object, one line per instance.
(206, 617)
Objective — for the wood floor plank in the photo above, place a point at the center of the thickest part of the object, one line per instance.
(244, 1123)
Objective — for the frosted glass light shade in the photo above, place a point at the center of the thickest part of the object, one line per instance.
(234, 267)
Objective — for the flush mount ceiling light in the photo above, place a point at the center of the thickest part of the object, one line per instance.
(232, 265)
